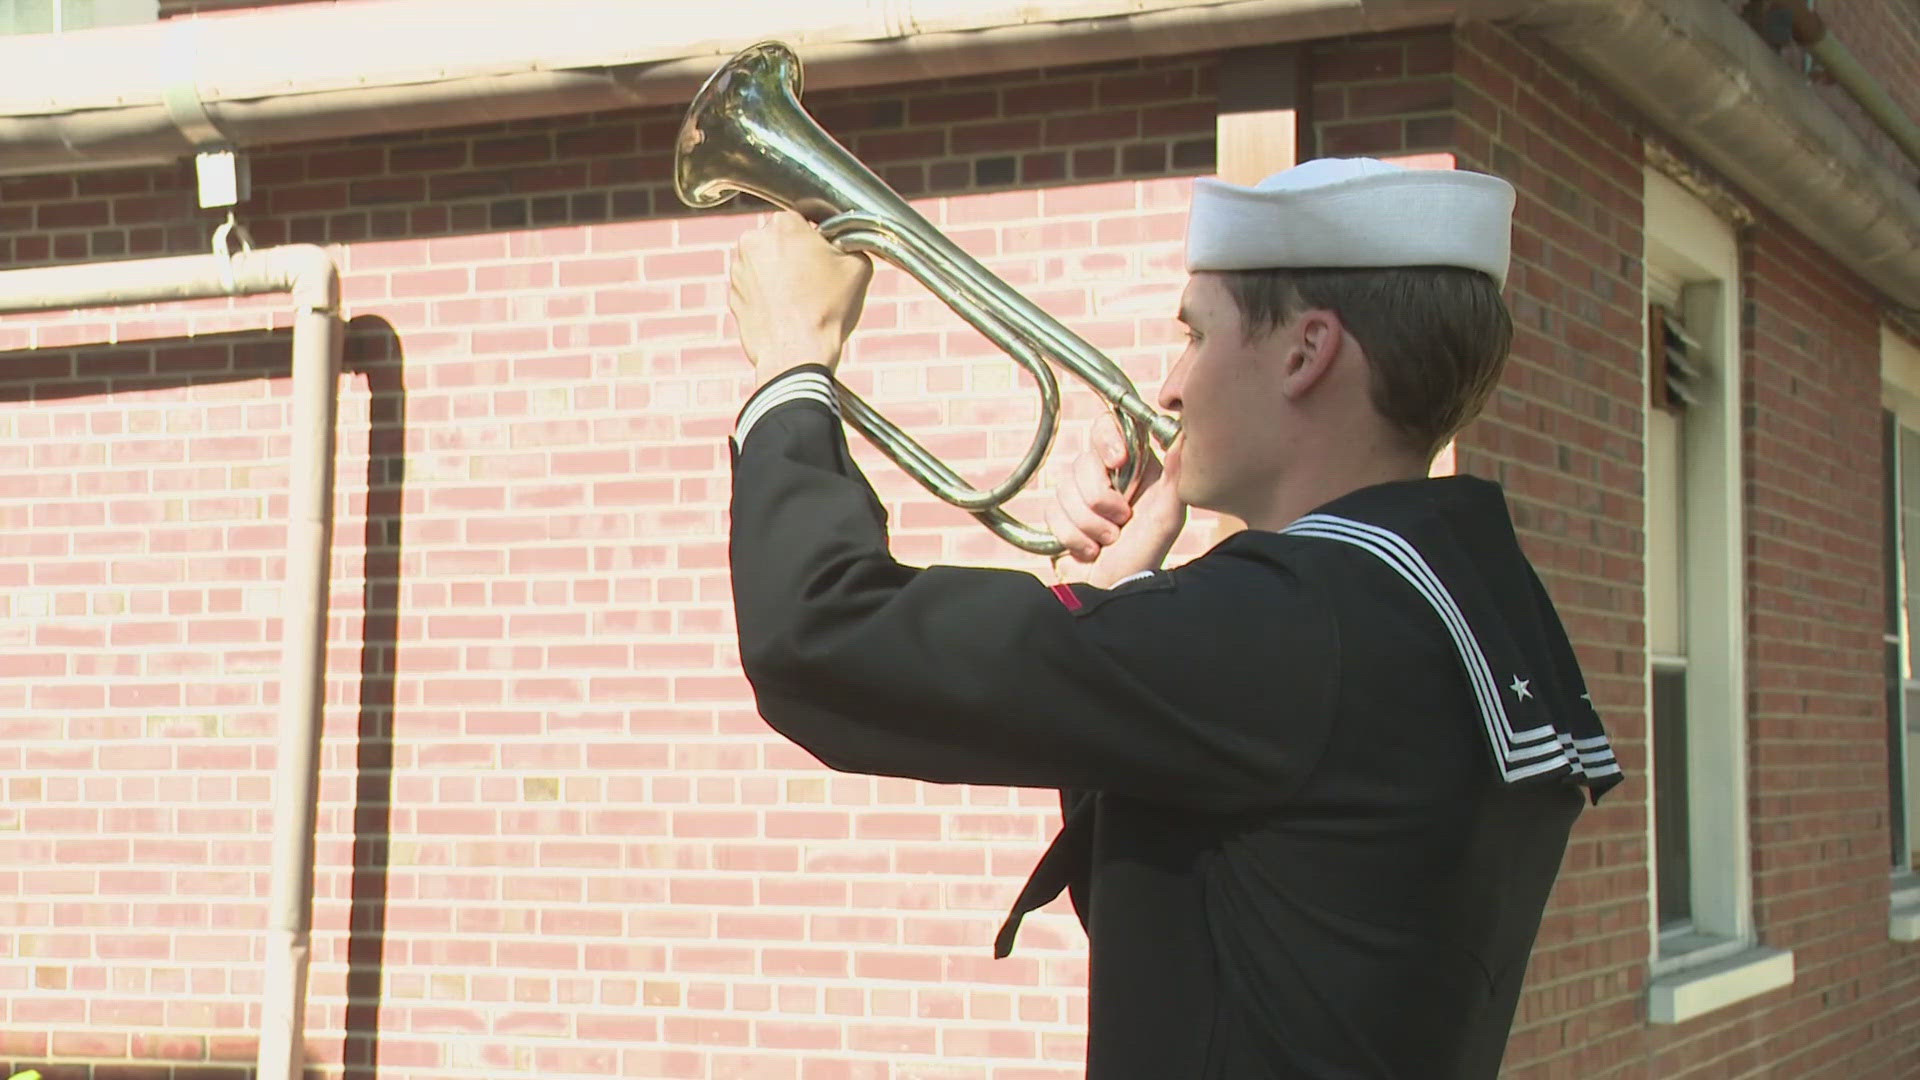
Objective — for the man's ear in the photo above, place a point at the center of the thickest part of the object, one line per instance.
(1317, 341)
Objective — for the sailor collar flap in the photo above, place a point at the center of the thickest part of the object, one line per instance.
(1533, 704)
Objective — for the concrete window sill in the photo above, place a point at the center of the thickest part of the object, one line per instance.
(1696, 991)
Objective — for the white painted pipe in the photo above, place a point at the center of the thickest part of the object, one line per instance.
(309, 275)
(1867, 91)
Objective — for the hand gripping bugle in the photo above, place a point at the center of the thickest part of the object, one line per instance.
(746, 132)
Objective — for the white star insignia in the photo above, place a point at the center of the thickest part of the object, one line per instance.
(1519, 688)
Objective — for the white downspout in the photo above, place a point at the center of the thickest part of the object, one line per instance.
(309, 274)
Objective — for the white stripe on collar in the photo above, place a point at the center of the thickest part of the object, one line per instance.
(1517, 754)
(795, 385)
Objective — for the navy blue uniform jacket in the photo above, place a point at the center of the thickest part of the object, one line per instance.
(1307, 834)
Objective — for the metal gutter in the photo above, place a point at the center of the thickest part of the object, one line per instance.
(141, 95)
(154, 93)
(1704, 77)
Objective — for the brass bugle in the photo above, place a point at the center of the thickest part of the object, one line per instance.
(747, 132)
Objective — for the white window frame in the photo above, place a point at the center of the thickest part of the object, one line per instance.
(1716, 961)
(1900, 395)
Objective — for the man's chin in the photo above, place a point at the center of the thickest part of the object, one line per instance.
(1198, 497)
(1187, 490)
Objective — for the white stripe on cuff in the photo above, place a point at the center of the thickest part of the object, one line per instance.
(793, 386)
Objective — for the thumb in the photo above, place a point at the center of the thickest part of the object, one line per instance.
(1170, 465)
(1160, 498)
(1158, 516)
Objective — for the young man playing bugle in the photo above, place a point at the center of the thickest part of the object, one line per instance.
(1316, 782)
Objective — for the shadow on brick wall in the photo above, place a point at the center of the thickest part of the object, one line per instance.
(134, 367)
(373, 352)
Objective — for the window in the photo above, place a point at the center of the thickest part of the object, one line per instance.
(1694, 590)
(1674, 384)
(1900, 441)
(1706, 954)
(55, 16)
(1899, 448)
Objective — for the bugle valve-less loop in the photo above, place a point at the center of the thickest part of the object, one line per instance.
(746, 132)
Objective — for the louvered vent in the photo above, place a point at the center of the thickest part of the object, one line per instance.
(1676, 374)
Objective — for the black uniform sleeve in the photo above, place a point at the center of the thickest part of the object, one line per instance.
(1209, 687)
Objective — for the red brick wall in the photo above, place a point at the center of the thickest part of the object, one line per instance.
(594, 857)
(1817, 710)
(1563, 434)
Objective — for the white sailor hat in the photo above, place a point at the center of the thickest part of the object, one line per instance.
(1353, 212)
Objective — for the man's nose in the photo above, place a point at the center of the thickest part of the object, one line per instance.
(1170, 390)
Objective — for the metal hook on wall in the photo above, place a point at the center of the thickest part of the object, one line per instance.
(223, 236)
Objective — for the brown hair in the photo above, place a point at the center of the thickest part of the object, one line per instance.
(1436, 336)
